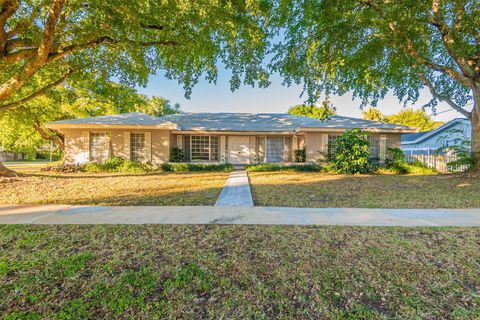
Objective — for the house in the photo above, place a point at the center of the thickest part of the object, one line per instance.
(237, 138)
(428, 142)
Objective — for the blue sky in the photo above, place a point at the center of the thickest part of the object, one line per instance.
(210, 97)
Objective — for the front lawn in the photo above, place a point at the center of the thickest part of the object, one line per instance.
(113, 188)
(241, 272)
(301, 189)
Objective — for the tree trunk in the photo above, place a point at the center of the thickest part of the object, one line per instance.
(475, 121)
(5, 172)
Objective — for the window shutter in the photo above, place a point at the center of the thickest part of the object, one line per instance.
(383, 148)
(86, 146)
(108, 134)
(126, 144)
(324, 142)
(148, 146)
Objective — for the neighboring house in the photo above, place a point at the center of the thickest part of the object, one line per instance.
(237, 138)
(10, 156)
(428, 142)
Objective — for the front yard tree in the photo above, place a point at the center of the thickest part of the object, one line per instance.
(42, 43)
(372, 47)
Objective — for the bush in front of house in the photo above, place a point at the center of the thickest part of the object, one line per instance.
(64, 168)
(349, 153)
(117, 164)
(197, 167)
(300, 155)
(395, 164)
(176, 155)
(273, 167)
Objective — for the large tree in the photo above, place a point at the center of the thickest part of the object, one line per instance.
(44, 42)
(408, 117)
(23, 127)
(372, 47)
(324, 111)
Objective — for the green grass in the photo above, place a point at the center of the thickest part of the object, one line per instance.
(324, 190)
(242, 272)
(113, 188)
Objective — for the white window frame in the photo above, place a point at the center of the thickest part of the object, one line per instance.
(107, 136)
(209, 148)
(145, 157)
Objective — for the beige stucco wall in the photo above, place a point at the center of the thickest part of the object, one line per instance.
(76, 147)
(74, 151)
(316, 142)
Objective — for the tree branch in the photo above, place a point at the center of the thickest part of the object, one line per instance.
(8, 8)
(36, 93)
(449, 101)
(438, 21)
(412, 51)
(50, 135)
(105, 39)
(9, 87)
(22, 25)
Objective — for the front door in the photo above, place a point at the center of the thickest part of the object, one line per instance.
(239, 149)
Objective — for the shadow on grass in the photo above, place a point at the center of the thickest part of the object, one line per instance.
(364, 191)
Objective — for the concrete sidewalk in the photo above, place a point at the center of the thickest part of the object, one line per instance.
(236, 192)
(66, 214)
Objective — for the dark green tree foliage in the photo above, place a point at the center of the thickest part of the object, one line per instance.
(350, 152)
(373, 47)
(321, 112)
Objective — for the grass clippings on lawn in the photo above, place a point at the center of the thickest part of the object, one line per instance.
(182, 189)
(323, 190)
(241, 272)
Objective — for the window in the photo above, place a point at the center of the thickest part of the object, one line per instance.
(204, 148)
(374, 147)
(275, 149)
(99, 146)
(331, 138)
(137, 147)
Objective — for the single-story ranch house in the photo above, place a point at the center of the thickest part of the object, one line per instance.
(237, 138)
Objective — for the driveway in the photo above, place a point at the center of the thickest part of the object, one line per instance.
(66, 214)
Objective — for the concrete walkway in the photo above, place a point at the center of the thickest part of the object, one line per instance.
(236, 192)
(65, 214)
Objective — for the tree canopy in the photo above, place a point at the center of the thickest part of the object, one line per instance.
(325, 110)
(23, 127)
(372, 47)
(408, 117)
(44, 42)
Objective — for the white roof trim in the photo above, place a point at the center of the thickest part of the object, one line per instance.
(435, 131)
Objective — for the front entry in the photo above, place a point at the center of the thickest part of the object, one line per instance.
(239, 149)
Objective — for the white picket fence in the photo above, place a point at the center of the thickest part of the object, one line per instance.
(437, 161)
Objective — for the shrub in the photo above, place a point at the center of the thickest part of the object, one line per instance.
(197, 167)
(395, 161)
(300, 155)
(271, 167)
(176, 155)
(350, 152)
(65, 168)
(408, 168)
(456, 143)
(117, 164)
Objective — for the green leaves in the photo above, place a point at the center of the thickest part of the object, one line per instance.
(350, 152)
(369, 48)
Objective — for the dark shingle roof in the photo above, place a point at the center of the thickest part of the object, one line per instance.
(238, 122)
(132, 118)
(268, 122)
